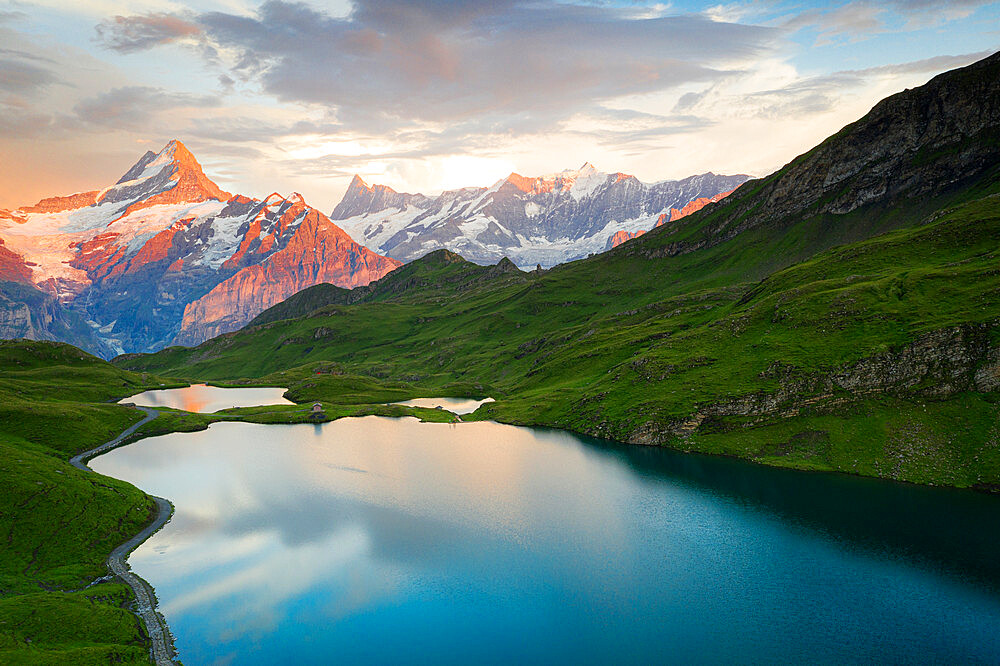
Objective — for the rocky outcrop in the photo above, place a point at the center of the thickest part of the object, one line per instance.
(937, 365)
(319, 251)
(12, 267)
(533, 221)
(59, 204)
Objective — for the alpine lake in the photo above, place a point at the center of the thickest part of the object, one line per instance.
(393, 541)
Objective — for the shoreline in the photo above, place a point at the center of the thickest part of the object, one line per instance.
(161, 642)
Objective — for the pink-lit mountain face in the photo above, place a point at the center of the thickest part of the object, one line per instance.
(545, 220)
(165, 255)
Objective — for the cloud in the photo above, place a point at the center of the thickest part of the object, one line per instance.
(128, 34)
(246, 129)
(20, 77)
(393, 63)
(813, 95)
(133, 107)
(953, 7)
(861, 19)
(856, 20)
(11, 15)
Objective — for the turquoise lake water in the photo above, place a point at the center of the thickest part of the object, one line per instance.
(392, 541)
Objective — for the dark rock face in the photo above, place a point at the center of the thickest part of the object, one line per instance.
(27, 312)
(545, 220)
(936, 366)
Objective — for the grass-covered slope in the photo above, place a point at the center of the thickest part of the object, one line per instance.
(57, 523)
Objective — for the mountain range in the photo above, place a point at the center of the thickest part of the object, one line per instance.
(842, 313)
(164, 256)
(543, 221)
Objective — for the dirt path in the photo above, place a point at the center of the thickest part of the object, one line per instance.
(162, 644)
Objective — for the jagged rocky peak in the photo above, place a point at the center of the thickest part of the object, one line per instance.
(361, 197)
(172, 175)
(136, 171)
(588, 177)
(505, 265)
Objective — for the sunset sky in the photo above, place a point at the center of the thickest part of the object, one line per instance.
(425, 95)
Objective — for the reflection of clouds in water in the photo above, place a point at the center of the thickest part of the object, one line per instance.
(271, 573)
(485, 476)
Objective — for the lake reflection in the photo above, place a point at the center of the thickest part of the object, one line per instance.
(389, 540)
(207, 399)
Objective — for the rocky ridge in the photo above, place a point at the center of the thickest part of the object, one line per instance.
(675, 214)
(936, 366)
(545, 220)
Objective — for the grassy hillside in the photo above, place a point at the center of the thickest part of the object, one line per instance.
(57, 523)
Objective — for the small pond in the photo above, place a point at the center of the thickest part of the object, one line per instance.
(207, 399)
(456, 405)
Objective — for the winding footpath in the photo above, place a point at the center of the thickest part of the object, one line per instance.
(156, 627)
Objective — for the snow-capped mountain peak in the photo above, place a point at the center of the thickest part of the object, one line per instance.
(133, 257)
(547, 219)
(171, 176)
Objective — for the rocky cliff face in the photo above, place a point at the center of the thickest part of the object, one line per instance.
(26, 312)
(545, 220)
(131, 258)
(938, 365)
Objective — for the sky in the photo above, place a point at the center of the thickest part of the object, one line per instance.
(427, 95)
